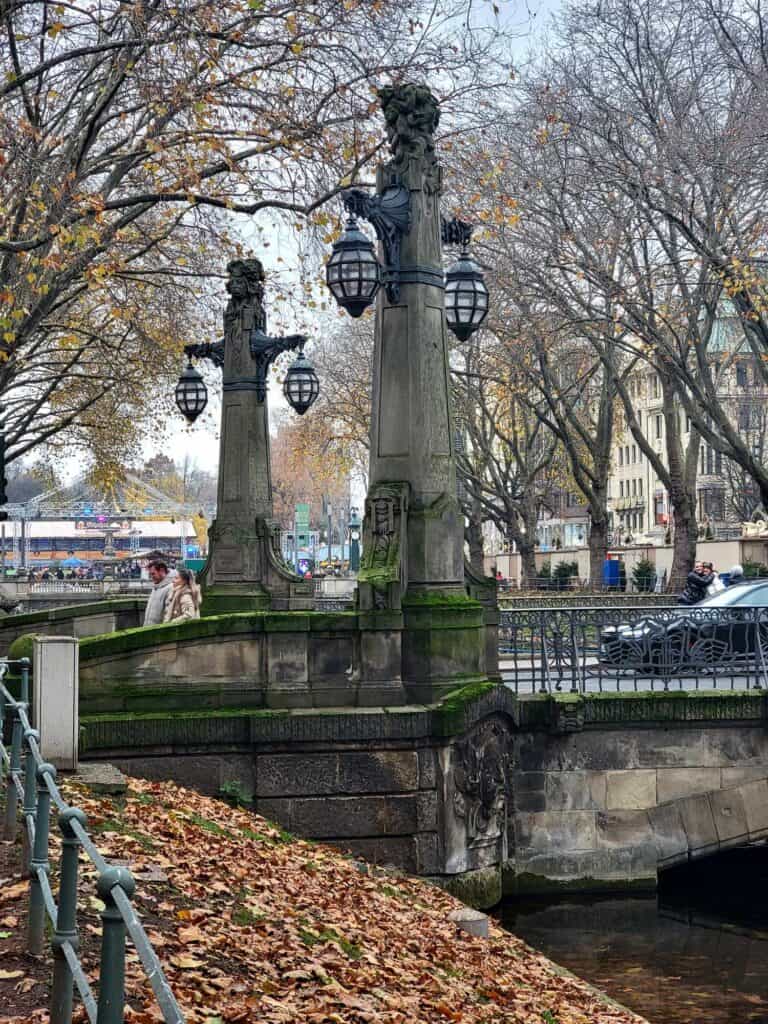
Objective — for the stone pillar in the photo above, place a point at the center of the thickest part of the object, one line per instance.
(411, 436)
(245, 568)
(413, 535)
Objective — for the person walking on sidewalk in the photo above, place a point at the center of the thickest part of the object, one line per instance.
(160, 593)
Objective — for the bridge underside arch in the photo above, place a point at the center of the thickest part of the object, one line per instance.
(701, 825)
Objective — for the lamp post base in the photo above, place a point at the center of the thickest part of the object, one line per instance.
(245, 572)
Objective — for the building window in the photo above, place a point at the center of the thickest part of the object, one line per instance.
(654, 386)
(634, 488)
(640, 486)
(621, 488)
(741, 376)
(621, 456)
(660, 517)
(640, 518)
(634, 453)
(712, 502)
(658, 426)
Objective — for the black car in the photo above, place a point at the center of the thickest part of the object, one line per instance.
(729, 628)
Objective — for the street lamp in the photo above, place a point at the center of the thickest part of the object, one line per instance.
(466, 294)
(352, 273)
(301, 385)
(191, 393)
(354, 540)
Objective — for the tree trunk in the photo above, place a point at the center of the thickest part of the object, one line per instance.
(598, 547)
(474, 536)
(684, 551)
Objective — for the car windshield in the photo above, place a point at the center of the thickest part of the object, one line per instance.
(742, 594)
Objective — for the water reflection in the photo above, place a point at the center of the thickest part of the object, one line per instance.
(697, 953)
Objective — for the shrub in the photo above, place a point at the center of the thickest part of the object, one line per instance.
(643, 575)
(544, 577)
(562, 573)
(754, 570)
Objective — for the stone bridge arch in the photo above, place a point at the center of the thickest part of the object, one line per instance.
(705, 823)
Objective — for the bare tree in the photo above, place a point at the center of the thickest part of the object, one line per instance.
(130, 132)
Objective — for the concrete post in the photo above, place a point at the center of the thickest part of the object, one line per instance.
(55, 697)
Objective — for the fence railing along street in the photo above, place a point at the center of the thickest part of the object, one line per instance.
(601, 649)
(30, 788)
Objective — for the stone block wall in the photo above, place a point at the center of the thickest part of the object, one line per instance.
(583, 803)
(260, 660)
(77, 620)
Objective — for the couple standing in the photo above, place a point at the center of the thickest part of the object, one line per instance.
(172, 598)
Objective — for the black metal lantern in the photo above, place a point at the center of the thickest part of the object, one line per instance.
(353, 273)
(301, 385)
(191, 393)
(466, 297)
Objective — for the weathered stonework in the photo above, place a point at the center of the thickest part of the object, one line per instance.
(245, 570)
(481, 785)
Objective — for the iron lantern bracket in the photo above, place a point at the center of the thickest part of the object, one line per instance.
(265, 350)
(456, 232)
(390, 216)
(214, 351)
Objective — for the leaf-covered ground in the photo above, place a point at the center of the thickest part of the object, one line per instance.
(252, 924)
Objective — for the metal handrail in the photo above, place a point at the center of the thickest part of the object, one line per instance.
(633, 648)
(32, 782)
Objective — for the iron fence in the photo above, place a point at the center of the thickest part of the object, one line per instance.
(30, 788)
(600, 649)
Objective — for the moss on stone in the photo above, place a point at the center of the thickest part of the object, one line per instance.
(449, 717)
(438, 598)
(180, 715)
(480, 889)
(125, 641)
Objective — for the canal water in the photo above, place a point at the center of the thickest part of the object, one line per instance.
(694, 953)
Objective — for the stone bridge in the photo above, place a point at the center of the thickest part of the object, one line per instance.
(484, 791)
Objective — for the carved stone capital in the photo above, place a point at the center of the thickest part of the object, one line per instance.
(412, 115)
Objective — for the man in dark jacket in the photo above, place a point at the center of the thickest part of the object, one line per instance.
(696, 584)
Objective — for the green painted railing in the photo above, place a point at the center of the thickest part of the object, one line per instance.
(30, 788)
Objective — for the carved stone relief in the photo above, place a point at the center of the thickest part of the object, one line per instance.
(478, 790)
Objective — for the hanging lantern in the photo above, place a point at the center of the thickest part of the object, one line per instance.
(301, 386)
(353, 273)
(466, 297)
(191, 393)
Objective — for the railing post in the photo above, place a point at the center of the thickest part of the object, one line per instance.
(11, 793)
(25, 666)
(66, 918)
(30, 799)
(39, 862)
(112, 971)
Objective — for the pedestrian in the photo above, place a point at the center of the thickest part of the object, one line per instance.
(159, 595)
(696, 584)
(185, 599)
(736, 575)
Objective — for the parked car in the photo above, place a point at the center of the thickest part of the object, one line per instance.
(729, 627)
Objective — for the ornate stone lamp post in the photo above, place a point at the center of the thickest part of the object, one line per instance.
(413, 530)
(354, 540)
(245, 568)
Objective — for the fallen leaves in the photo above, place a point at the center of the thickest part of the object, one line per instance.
(252, 925)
